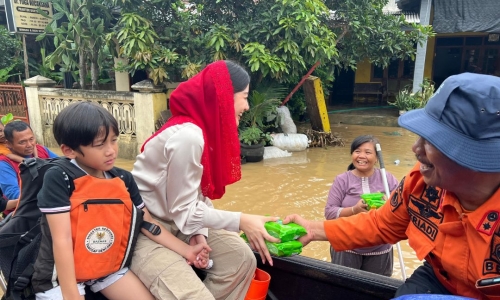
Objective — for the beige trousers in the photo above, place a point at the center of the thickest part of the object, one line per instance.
(167, 275)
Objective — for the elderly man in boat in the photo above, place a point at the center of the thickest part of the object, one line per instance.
(448, 205)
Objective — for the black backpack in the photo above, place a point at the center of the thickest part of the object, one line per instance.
(20, 235)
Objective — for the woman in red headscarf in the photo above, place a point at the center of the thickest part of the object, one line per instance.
(181, 169)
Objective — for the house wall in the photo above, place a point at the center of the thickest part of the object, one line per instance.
(429, 57)
(363, 72)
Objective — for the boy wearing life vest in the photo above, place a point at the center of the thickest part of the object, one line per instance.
(90, 222)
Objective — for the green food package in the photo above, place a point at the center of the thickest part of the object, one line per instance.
(285, 233)
(374, 200)
(244, 237)
(281, 249)
(284, 249)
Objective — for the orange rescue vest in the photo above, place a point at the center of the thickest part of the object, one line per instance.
(104, 227)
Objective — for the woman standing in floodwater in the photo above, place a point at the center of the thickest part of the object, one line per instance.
(345, 200)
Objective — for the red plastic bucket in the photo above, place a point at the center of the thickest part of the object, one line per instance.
(259, 286)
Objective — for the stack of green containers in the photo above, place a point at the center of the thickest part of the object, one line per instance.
(374, 200)
(288, 235)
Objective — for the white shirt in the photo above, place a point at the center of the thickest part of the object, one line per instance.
(168, 174)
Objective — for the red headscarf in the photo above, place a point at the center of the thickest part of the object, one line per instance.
(207, 100)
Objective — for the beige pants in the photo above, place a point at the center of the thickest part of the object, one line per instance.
(167, 275)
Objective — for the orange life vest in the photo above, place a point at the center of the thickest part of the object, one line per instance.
(104, 227)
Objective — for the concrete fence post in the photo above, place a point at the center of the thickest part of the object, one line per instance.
(33, 85)
(149, 102)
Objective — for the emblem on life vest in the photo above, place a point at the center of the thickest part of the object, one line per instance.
(488, 223)
(99, 240)
(396, 195)
(492, 264)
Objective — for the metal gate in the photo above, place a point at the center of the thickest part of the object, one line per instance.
(13, 100)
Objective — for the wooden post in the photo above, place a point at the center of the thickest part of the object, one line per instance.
(26, 65)
(316, 107)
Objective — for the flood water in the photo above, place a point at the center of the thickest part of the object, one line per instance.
(300, 183)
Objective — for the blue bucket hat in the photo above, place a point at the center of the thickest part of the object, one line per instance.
(462, 120)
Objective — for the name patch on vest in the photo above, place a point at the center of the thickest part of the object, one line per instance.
(99, 240)
(427, 227)
(423, 211)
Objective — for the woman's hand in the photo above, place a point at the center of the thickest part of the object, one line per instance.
(361, 206)
(253, 227)
(197, 255)
(198, 246)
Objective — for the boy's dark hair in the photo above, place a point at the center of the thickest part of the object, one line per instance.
(360, 140)
(18, 126)
(239, 76)
(80, 123)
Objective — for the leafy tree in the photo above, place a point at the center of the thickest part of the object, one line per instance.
(161, 37)
(137, 39)
(79, 28)
(371, 34)
(279, 39)
(10, 47)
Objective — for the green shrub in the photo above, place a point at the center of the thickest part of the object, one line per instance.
(254, 136)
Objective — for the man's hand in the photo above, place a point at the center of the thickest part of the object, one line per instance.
(315, 229)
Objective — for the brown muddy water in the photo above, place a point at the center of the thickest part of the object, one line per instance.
(300, 183)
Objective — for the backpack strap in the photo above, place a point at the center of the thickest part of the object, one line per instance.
(62, 162)
(24, 279)
(151, 227)
(68, 167)
(31, 165)
(22, 282)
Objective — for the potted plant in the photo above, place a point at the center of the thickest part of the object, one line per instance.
(425, 93)
(405, 101)
(258, 120)
(252, 142)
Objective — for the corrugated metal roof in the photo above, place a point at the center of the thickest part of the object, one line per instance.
(410, 17)
(391, 8)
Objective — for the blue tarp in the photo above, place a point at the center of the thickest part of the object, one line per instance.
(466, 15)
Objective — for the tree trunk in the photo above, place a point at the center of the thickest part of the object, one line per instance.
(82, 66)
(94, 69)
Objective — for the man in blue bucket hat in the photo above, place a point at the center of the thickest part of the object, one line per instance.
(448, 205)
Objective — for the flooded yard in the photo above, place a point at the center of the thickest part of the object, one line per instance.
(300, 183)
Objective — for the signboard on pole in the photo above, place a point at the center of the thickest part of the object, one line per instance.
(23, 16)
